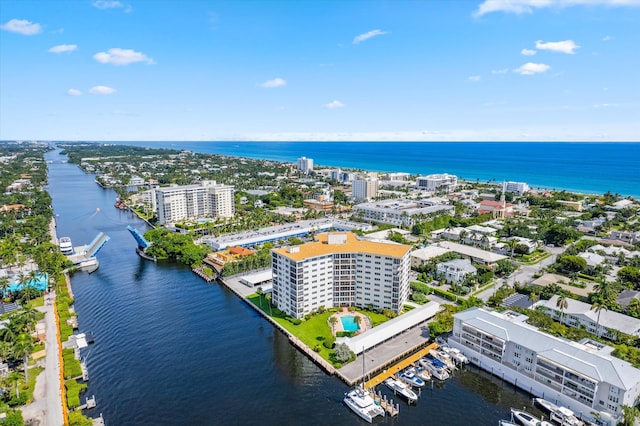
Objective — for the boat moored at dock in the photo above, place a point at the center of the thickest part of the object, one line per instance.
(362, 403)
(410, 378)
(401, 389)
(66, 247)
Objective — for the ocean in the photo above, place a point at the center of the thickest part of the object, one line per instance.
(584, 167)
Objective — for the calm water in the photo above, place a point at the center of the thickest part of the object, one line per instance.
(173, 350)
(580, 167)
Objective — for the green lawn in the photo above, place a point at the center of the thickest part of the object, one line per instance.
(314, 331)
(71, 365)
(73, 393)
(33, 374)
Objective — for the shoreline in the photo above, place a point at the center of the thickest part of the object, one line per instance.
(288, 158)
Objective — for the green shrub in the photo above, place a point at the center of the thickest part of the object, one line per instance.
(296, 321)
(329, 343)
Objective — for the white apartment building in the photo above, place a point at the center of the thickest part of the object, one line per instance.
(364, 189)
(583, 376)
(455, 271)
(578, 314)
(305, 165)
(516, 187)
(340, 270)
(207, 200)
(401, 212)
(437, 182)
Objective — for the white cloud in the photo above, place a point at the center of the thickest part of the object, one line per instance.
(605, 105)
(22, 26)
(112, 4)
(566, 46)
(528, 6)
(366, 36)
(474, 78)
(531, 68)
(273, 83)
(102, 90)
(608, 38)
(61, 48)
(501, 71)
(528, 52)
(74, 92)
(117, 56)
(334, 104)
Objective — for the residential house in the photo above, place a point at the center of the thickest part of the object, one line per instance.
(455, 271)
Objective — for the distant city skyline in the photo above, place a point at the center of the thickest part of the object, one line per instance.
(472, 70)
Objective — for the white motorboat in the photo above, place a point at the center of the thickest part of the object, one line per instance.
(361, 403)
(65, 246)
(558, 414)
(506, 423)
(526, 419)
(421, 372)
(402, 389)
(410, 378)
(436, 370)
(444, 357)
(456, 354)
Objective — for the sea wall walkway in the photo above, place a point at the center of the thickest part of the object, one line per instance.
(383, 357)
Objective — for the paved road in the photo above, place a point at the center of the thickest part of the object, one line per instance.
(524, 274)
(46, 409)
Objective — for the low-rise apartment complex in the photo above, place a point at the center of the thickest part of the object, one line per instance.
(401, 212)
(340, 270)
(584, 376)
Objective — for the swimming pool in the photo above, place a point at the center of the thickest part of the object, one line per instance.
(349, 323)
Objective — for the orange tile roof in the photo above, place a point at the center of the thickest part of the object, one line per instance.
(352, 245)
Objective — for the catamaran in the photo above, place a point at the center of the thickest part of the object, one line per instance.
(361, 402)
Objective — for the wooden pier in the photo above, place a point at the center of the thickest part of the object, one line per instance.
(388, 405)
(399, 366)
(85, 371)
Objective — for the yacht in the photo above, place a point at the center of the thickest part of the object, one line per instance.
(421, 372)
(558, 414)
(456, 354)
(65, 246)
(361, 403)
(360, 400)
(443, 357)
(410, 378)
(526, 419)
(402, 389)
(435, 367)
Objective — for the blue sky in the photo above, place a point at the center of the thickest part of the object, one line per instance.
(530, 70)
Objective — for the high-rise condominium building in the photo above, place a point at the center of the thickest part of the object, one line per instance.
(305, 165)
(340, 270)
(206, 200)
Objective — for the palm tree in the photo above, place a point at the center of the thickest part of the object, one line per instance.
(23, 347)
(562, 304)
(333, 321)
(4, 285)
(13, 379)
(629, 415)
(357, 319)
(260, 292)
(598, 305)
(534, 297)
(512, 243)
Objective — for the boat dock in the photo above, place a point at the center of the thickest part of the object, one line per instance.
(89, 404)
(399, 366)
(387, 404)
